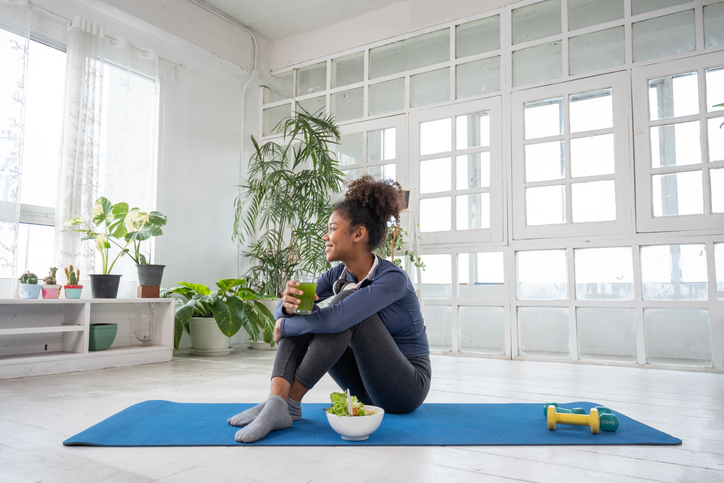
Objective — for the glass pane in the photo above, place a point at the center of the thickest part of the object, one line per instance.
(420, 51)
(477, 37)
(604, 273)
(473, 171)
(386, 171)
(430, 87)
(272, 116)
(584, 13)
(435, 136)
(717, 190)
(476, 78)
(606, 334)
(542, 275)
(678, 194)
(544, 118)
(678, 336)
(545, 205)
(537, 64)
(596, 51)
(435, 214)
(675, 145)
(536, 21)
(437, 277)
(674, 96)
(591, 110)
(282, 87)
(714, 25)
(592, 156)
(348, 69)
(348, 104)
(481, 276)
(674, 272)
(351, 148)
(381, 145)
(312, 78)
(315, 105)
(643, 6)
(482, 329)
(543, 331)
(36, 249)
(715, 89)
(473, 211)
(594, 201)
(473, 130)
(544, 161)
(719, 265)
(352, 174)
(43, 125)
(387, 96)
(438, 325)
(662, 36)
(716, 139)
(435, 175)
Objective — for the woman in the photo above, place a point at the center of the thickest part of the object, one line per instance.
(370, 338)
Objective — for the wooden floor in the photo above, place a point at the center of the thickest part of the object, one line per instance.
(38, 413)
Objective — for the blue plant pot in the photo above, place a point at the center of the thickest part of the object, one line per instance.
(30, 291)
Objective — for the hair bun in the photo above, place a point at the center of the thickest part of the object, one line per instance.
(381, 197)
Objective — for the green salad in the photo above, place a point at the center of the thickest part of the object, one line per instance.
(339, 406)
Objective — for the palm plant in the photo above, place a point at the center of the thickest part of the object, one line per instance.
(286, 201)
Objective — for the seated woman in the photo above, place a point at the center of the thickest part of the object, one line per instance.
(371, 338)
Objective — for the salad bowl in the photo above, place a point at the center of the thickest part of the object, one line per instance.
(357, 428)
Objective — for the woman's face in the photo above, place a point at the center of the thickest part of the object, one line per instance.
(341, 243)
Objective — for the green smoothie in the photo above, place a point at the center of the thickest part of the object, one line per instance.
(307, 299)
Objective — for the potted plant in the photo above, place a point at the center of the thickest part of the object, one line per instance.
(29, 288)
(212, 317)
(286, 202)
(51, 289)
(72, 288)
(395, 242)
(142, 226)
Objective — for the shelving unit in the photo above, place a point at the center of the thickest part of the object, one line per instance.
(50, 336)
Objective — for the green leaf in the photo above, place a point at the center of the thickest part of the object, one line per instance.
(197, 287)
(229, 316)
(226, 284)
(184, 312)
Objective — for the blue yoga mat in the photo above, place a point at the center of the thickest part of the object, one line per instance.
(164, 423)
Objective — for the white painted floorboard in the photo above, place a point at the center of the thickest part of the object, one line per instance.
(38, 413)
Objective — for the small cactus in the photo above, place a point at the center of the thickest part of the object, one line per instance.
(50, 279)
(72, 276)
(29, 278)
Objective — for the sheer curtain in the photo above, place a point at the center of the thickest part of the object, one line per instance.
(14, 44)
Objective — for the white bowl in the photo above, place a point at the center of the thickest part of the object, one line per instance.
(357, 428)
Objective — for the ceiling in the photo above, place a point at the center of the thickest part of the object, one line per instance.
(279, 19)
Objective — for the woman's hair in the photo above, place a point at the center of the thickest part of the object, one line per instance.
(371, 204)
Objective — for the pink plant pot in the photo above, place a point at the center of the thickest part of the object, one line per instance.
(51, 291)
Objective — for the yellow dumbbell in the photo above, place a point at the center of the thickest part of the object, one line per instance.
(590, 420)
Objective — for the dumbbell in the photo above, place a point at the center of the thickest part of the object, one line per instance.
(607, 420)
(560, 410)
(591, 420)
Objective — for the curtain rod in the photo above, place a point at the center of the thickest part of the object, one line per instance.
(32, 5)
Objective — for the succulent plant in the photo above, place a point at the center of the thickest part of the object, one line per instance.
(29, 278)
(71, 275)
(50, 279)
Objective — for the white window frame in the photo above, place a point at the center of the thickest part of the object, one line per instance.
(495, 232)
(707, 222)
(623, 166)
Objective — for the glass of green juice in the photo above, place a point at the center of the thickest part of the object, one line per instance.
(308, 285)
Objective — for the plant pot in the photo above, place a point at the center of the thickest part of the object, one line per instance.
(104, 286)
(73, 291)
(150, 274)
(29, 290)
(102, 336)
(206, 337)
(51, 291)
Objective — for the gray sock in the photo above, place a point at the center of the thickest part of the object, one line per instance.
(246, 417)
(274, 416)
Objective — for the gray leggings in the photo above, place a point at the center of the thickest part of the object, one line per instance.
(363, 358)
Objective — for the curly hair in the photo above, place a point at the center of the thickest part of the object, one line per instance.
(371, 204)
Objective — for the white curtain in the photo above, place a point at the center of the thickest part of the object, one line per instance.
(14, 42)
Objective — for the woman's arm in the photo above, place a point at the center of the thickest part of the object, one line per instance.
(323, 291)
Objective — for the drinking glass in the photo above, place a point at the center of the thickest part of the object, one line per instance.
(308, 285)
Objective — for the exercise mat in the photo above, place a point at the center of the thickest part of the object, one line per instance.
(164, 423)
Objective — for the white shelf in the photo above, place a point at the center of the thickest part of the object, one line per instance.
(42, 330)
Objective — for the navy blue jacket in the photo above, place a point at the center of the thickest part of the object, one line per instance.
(389, 293)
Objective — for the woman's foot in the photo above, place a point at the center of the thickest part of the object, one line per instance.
(273, 417)
(246, 417)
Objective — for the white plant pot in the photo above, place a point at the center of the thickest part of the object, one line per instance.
(261, 345)
(206, 337)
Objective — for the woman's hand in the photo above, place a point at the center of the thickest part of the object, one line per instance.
(290, 302)
(278, 331)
